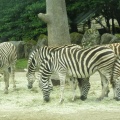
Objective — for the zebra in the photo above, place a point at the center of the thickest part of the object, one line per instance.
(115, 74)
(78, 63)
(115, 80)
(8, 58)
(35, 60)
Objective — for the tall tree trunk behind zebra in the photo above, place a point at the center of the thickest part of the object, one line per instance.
(78, 64)
(8, 58)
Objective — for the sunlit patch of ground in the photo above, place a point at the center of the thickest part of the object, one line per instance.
(25, 104)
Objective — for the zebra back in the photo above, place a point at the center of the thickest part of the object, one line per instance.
(85, 61)
(115, 47)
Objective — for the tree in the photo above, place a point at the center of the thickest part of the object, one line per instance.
(18, 19)
(57, 22)
(107, 8)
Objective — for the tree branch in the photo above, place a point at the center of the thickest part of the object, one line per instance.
(44, 17)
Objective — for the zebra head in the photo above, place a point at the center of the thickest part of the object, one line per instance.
(45, 72)
(46, 88)
(117, 90)
(46, 95)
(31, 68)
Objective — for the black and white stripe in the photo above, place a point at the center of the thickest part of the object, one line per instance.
(76, 63)
(8, 58)
(115, 74)
(35, 59)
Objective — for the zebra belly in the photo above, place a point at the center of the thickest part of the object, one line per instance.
(79, 73)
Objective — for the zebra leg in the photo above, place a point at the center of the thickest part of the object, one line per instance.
(62, 77)
(6, 80)
(73, 82)
(13, 76)
(116, 89)
(105, 88)
(84, 86)
(80, 86)
(114, 92)
(107, 91)
(74, 88)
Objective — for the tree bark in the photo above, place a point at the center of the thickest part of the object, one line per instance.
(57, 22)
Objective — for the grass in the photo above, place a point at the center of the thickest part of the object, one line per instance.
(21, 64)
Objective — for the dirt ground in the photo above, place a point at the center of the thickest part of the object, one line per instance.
(24, 104)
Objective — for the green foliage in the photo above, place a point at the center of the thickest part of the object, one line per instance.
(108, 8)
(21, 64)
(20, 21)
(42, 36)
(117, 35)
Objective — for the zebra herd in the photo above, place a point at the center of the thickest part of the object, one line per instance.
(75, 63)
(70, 62)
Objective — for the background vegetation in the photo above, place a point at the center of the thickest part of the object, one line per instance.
(19, 20)
(21, 64)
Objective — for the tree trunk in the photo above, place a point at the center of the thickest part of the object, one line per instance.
(57, 22)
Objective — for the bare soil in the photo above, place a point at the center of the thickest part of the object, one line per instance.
(24, 104)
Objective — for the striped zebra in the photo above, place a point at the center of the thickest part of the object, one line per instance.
(78, 63)
(8, 59)
(115, 80)
(115, 75)
(34, 62)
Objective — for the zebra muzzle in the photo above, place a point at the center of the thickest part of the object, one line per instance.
(83, 98)
(46, 99)
(29, 87)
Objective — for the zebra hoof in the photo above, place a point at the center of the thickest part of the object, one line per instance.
(98, 99)
(117, 99)
(61, 101)
(83, 98)
(106, 95)
(6, 92)
(73, 99)
(46, 99)
(29, 87)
